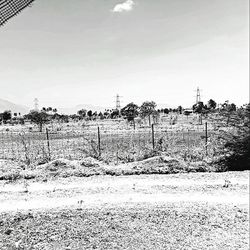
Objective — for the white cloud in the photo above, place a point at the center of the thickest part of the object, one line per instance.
(126, 6)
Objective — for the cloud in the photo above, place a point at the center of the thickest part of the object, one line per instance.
(126, 6)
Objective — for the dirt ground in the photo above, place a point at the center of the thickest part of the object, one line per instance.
(179, 211)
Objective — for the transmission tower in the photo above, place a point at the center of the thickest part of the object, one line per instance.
(118, 102)
(36, 104)
(198, 95)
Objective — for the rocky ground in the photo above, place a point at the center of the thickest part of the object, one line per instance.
(176, 211)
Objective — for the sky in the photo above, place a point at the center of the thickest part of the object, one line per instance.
(67, 53)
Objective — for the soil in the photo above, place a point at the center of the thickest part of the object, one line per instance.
(175, 211)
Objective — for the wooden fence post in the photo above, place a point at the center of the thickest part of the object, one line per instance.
(99, 140)
(206, 135)
(48, 145)
(153, 136)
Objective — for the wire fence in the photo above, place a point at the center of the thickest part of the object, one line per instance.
(110, 145)
(10, 8)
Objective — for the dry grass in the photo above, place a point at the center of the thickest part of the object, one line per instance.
(90, 166)
(138, 226)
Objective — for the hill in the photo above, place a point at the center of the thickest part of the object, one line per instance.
(14, 108)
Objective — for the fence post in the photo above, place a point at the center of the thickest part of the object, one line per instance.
(47, 136)
(206, 135)
(153, 136)
(99, 140)
(201, 119)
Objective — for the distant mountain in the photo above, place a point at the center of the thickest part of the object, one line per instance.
(73, 110)
(14, 108)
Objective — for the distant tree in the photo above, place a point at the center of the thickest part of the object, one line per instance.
(187, 113)
(114, 114)
(106, 114)
(101, 116)
(82, 113)
(90, 113)
(165, 111)
(198, 107)
(54, 110)
(64, 118)
(130, 111)
(211, 104)
(6, 115)
(74, 117)
(147, 109)
(232, 107)
(179, 109)
(39, 118)
(226, 106)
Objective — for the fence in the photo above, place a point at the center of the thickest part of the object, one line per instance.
(110, 145)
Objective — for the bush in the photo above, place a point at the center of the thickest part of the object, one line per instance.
(237, 139)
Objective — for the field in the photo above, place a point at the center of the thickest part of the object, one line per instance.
(118, 141)
(160, 187)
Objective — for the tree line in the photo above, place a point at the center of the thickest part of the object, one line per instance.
(129, 112)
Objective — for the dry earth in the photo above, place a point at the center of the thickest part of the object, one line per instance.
(180, 211)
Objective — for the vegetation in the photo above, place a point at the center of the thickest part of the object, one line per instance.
(5, 116)
(211, 104)
(130, 112)
(229, 147)
(236, 138)
(147, 109)
(39, 118)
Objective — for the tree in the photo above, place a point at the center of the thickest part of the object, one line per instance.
(211, 104)
(39, 118)
(198, 107)
(232, 107)
(179, 109)
(166, 111)
(90, 113)
(187, 113)
(114, 114)
(147, 109)
(82, 113)
(236, 141)
(130, 111)
(6, 116)
(101, 116)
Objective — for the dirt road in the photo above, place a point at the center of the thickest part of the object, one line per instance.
(181, 211)
(93, 191)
